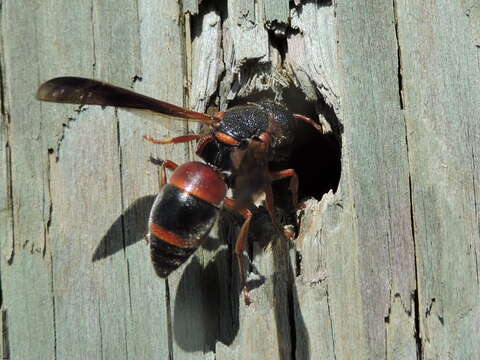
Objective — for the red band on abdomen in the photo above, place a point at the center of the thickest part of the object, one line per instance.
(168, 236)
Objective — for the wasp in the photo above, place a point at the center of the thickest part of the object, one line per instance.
(245, 142)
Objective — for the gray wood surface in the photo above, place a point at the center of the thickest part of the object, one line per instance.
(386, 266)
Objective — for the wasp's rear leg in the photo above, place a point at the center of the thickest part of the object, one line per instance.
(283, 174)
(240, 247)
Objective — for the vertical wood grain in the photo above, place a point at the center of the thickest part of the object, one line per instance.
(385, 267)
(375, 183)
(440, 73)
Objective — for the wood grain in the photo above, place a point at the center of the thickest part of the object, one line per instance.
(385, 267)
(440, 73)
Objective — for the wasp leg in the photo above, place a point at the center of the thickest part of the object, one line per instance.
(163, 176)
(167, 163)
(270, 206)
(282, 174)
(163, 164)
(240, 247)
(271, 210)
(175, 140)
(163, 181)
(309, 121)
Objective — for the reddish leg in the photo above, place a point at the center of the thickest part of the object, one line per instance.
(240, 247)
(309, 121)
(271, 211)
(270, 206)
(163, 177)
(282, 174)
(175, 140)
(167, 163)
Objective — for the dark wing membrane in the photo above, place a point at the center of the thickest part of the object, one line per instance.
(77, 90)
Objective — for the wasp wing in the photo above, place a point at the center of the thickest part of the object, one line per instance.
(77, 90)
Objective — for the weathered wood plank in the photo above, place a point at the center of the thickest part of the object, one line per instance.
(80, 216)
(164, 71)
(312, 51)
(244, 39)
(207, 58)
(114, 275)
(250, 64)
(87, 164)
(26, 267)
(374, 249)
(440, 75)
(6, 215)
(74, 199)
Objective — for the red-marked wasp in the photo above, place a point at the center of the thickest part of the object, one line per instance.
(239, 151)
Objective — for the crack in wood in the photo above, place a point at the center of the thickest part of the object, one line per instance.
(5, 124)
(5, 336)
(415, 297)
(418, 335)
(474, 185)
(8, 163)
(169, 320)
(48, 197)
(92, 16)
(399, 55)
(415, 294)
(330, 317)
(99, 320)
(52, 294)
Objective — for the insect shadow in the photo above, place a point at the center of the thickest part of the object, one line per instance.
(129, 228)
(206, 303)
(206, 297)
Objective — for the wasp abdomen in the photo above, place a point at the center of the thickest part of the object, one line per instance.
(182, 215)
(166, 257)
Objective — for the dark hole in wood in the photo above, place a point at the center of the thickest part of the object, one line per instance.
(315, 156)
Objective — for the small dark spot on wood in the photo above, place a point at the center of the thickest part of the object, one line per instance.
(135, 78)
(429, 307)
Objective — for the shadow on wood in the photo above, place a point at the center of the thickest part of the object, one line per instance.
(217, 314)
(132, 224)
